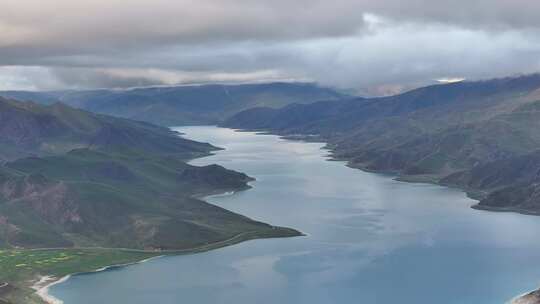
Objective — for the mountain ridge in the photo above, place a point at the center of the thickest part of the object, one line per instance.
(183, 105)
(427, 134)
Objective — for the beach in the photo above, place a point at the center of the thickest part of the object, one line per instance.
(44, 283)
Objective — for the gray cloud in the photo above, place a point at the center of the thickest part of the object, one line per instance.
(377, 45)
(490, 15)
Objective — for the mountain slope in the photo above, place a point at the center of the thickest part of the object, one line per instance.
(29, 129)
(73, 178)
(427, 134)
(183, 105)
(88, 198)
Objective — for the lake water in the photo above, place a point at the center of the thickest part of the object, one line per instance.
(370, 240)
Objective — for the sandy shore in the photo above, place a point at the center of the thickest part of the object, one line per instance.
(44, 283)
(42, 288)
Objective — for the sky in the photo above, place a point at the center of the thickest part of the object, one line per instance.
(376, 47)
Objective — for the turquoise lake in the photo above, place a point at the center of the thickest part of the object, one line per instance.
(370, 239)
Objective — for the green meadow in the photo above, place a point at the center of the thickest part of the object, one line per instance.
(22, 268)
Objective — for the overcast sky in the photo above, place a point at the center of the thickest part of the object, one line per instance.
(375, 46)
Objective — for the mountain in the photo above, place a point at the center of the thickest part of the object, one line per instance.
(183, 105)
(29, 129)
(468, 134)
(508, 185)
(71, 178)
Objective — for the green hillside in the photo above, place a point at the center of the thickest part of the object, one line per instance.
(78, 179)
(73, 183)
(88, 198)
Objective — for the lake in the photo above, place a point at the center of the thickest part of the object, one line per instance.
(370, 239)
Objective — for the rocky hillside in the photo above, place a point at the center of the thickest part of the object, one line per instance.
(468, 134)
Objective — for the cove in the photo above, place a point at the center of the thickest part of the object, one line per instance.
(370, 239)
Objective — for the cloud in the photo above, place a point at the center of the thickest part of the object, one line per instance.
(489, 15)
(68, 26)
(80, 78)
(376, 45)
(27, 78)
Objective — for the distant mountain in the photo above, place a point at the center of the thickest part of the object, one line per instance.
(29, 129)
(183, 105)
(74, 178)
(468, 134)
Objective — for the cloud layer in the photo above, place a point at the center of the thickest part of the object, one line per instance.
(376, 45)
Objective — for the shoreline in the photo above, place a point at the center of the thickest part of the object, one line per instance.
(44, 283)
(41, 287)
(530, 297)
(43, 290)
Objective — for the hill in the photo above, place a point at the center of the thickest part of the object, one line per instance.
(30, 129)
(462, 134)
(183, 105)
(71, 178)
(88, 198)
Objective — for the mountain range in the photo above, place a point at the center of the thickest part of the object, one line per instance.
(90, 179)
(481, 136)
(183, 105)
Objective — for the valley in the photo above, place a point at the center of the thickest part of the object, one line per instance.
(268, 151)
(478, 136)
(124, 190)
